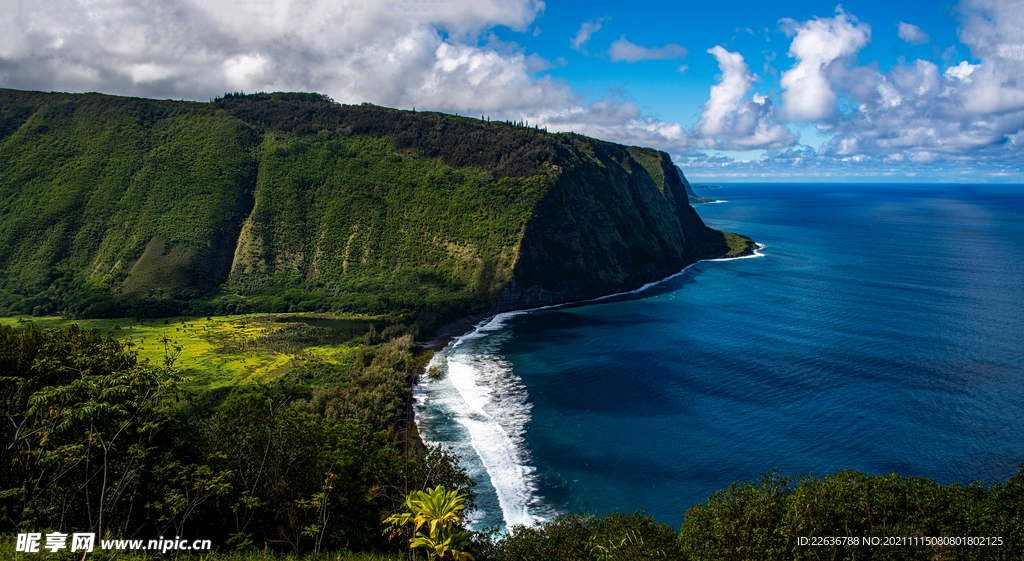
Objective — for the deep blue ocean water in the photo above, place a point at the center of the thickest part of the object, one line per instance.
(882, 330)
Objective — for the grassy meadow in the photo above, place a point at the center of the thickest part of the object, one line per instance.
(221, 351)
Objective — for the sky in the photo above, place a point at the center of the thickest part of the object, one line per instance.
(895, 91)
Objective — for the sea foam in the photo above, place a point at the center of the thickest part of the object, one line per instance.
(484, 397)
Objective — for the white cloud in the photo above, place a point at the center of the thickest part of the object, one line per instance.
(994, 31)
(731, 122)
(617, 120)
(243, 72)
(912, 34)
(148, 72)
(353, 50)
(912, 118)
(967, 111)
(623, 50)
(1014, 52)
(587, 29)
(441, 57)
(727, 94)
(808, 94)
(467, 79)
(961, 72)
(398, 54)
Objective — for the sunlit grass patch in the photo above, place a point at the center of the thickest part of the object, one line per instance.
(739, 245)
(220, 351)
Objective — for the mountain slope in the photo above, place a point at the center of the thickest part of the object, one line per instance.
(290, 202)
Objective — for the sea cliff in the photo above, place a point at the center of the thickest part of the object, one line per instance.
(616, 220)
(290, 202)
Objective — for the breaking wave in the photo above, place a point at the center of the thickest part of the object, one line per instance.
(480, 409)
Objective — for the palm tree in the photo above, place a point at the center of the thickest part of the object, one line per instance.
(448, 540)
(439, 510)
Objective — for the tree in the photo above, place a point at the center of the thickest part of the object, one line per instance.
(300, 481)
(439, 510)
(82, 415)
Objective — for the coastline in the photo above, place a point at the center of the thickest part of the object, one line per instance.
(448, 333)
(451, 331)
(503, 462)
(752, 251)
(467, 325)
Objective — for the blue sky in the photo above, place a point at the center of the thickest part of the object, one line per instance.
(733, 91)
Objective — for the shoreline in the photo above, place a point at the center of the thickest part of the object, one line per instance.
(450, 335)
(451, 332)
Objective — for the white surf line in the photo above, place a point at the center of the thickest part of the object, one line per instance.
(494, 410)
(497, 438)
(648, 285)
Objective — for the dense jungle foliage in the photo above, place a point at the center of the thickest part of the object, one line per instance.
(125, 207)
(501, 148)
(97, 440)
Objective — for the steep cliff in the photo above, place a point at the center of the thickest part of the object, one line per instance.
(616, 218)
(290, 202)
(694, 198)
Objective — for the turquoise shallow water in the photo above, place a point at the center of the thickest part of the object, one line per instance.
(881, 331)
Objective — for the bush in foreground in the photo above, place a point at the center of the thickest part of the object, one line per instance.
(773, 517)
(872, 517)
(614, 537)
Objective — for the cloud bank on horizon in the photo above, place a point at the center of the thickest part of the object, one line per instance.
(936, 116)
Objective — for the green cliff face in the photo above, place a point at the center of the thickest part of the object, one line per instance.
(125, 196)
(616, 218)
(290, 202)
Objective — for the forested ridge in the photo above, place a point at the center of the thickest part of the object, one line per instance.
(117, 207)
(502, 148)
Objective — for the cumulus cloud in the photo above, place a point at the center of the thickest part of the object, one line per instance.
(398, 53)
(619, 121)
(914, 117)
(392, 53)
(912, 34)
(994, 31)
(623, 50)
(817, 44)
(587, 29)
(968, 112)
(915, 110)
(961, 72)
(729, 121)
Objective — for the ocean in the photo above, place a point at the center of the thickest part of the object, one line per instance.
(881, 329)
